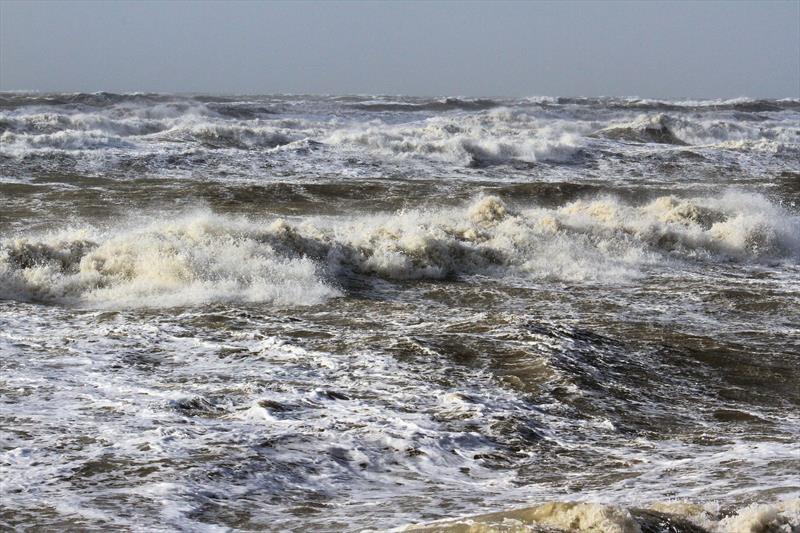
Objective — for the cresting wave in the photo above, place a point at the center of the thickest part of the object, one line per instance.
(460, 132)
(493, 137)
(203, 257)
(415, 104)
(645, 129)
(665, 129)
(48, 132)
(483, 138)
(104, 98)
(781, 517)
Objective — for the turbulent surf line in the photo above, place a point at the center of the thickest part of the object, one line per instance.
(202, 257)
(238, 137)
(598, 518)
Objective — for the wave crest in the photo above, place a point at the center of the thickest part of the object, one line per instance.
(193, 260)
(487, 139)
(204, 257)
(645, 129)
(599, 518)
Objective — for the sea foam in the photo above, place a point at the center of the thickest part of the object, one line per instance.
(782, 516)
(203, 257)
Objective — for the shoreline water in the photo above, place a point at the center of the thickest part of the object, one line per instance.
(300, 312)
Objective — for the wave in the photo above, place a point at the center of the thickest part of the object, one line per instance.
(745, 105)
(599, 518)
(762, 146)
(205, 257)
(23, 143)
(241, 110)
(478, 140)
(711, 132)
(238, 136)
(444, 104)
(482, 133)
(59, 132)
(376, 103)
(188, 261)
(96, 99)
(49, 123)
(645, 129)
(666, 129)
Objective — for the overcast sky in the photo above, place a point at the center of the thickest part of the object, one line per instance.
(653, 49)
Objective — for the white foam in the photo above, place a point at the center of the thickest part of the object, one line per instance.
(22, 144)
(196, 259)
(721, 133)
(495, 136)
(202, 257)
(645, 129)
(562, 516)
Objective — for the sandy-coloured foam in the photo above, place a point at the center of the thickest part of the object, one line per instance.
(190, 260)
(588, 517)
(758, 517)
(203, 257)
(777, 517)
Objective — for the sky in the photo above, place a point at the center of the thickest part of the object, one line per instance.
(648, 49)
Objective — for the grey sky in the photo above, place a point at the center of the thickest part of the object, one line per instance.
(710, 49)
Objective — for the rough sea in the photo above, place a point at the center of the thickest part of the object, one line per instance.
(309, 313)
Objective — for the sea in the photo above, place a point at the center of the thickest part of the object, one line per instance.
(372, 313)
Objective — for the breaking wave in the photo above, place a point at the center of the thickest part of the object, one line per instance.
(61, 132)
(500, 136)
(21, 144)
(763, 146)
(96, 99)
(444, 104)
(743, 104)
(645, 129)
(107, 99)
(203, 257)
(666, 129)
(463, 132)
(188, 261)
(232, 136)
(783, 516)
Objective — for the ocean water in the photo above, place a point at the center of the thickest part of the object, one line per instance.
(305, 313)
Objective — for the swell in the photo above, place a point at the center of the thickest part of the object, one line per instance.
(105, 99)
(766, 136)
(204, 257)
(52, 131)
(97, 99)
(646, 129)
(481, 135)
(444, 104)
(747, 105)
(477, 140)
